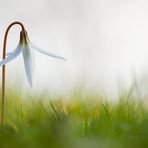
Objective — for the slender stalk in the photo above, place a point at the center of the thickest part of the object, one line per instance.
(4, 68)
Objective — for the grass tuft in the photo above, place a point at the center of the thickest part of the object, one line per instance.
(77, 123)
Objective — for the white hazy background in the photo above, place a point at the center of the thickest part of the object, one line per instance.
(104, 41)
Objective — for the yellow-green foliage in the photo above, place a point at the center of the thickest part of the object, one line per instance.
(76, 122)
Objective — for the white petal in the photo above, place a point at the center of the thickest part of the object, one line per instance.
(27, 63)
(46, 52)
(12, 56)
(9, 54)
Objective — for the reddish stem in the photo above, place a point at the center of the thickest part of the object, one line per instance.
(3, 67)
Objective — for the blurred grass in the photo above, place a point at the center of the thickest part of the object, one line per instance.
(77, 122)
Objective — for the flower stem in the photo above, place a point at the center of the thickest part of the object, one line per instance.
(4, 68)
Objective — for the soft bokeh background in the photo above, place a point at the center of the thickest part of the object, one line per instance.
(105, 43)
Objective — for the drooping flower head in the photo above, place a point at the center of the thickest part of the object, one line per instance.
(25, 47)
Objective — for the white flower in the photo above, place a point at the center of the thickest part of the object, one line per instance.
(25, 47)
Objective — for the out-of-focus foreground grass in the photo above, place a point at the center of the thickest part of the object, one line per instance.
(77, 122)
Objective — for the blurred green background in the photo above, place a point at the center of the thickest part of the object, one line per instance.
(79, 122)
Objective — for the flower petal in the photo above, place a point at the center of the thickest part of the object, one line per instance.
(46, 52)
(9, 54)
(12, 56)
(27, 63)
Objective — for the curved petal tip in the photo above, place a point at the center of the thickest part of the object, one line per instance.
(48, 53)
